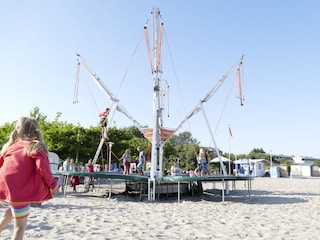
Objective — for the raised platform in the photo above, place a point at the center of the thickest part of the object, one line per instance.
(216, 177)
(165, 184)
(107, 175)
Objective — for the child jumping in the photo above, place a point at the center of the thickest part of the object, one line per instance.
(104, 122)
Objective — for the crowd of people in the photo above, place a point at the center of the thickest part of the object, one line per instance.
(127, 165)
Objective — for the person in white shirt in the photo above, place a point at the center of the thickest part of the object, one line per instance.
(175, 170)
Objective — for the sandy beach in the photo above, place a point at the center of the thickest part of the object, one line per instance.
(280, 208)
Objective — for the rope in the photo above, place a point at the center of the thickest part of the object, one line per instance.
(102, 156)
(112, 151)
(175, 75)
(159, 48)
(148, 48)
(92, 97)
(179, 89)
(76, 88)
(76, 93)
(224, 107)
(104, 121)
(130, 62)
(168, 99)
(177, 80)
(240, 87)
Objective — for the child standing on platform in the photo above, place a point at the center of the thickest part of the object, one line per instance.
(126, 159)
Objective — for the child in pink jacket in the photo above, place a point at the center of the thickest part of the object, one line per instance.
(25, 175)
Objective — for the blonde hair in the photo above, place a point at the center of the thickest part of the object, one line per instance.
(128, 151)
(27, 129)
(201, 153)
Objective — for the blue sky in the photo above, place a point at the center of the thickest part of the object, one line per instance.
(279, 40)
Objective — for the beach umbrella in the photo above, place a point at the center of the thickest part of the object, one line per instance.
(216, 160)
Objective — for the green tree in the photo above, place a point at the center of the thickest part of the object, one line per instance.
(181, 147)
(257, 153)
(81, 143)
(6, 129)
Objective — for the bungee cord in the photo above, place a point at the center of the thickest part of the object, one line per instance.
(76, 87)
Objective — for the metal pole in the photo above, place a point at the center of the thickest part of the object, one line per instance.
(110, 147)
(214, 142)
(270, 160)
(157, 111)
(229, 152)
(77, 154)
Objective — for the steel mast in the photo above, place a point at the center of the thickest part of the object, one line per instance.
(156, 151)
(157, 111)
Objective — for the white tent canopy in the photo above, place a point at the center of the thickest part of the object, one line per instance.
(248, 161)
(223, 159)
(54, 161)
